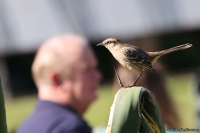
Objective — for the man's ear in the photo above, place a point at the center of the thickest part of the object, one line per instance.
(55, 79)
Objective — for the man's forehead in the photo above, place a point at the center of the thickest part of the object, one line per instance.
(86, 59)
(89, 55)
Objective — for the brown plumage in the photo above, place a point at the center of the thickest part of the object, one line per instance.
(134, 58)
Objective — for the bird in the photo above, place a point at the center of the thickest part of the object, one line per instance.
(134, 58)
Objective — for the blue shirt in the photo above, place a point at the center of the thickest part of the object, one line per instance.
(50, 117)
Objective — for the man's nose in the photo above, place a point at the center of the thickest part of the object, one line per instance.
(97, 75)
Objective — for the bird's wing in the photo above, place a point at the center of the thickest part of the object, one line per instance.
(137, 57)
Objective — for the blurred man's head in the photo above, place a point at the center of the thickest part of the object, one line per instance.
(64, 71)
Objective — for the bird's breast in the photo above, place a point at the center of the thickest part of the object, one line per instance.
(120, 58)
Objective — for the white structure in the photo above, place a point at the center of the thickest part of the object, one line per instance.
(24, 25)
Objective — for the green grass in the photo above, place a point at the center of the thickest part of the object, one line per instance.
(98, 113)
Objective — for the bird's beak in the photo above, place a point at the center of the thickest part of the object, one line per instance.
(100, 44)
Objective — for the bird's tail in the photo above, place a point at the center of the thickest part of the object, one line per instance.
(180, 47)
(155, 55)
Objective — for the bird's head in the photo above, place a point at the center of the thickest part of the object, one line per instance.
(109, 43)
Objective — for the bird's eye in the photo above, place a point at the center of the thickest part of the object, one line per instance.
(109, 42)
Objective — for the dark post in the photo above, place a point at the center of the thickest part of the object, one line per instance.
(3, 125)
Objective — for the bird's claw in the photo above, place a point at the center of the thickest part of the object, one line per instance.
(131, 86)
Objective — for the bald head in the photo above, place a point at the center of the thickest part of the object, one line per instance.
(58, 54)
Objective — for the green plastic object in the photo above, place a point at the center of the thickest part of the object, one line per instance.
(3, 125)
(135, 110)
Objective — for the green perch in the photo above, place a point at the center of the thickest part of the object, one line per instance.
(135, 110)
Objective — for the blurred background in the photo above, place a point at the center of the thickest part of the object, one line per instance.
(151, 25)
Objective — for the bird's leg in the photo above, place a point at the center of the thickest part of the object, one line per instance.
(137, 79)
(120, 82)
